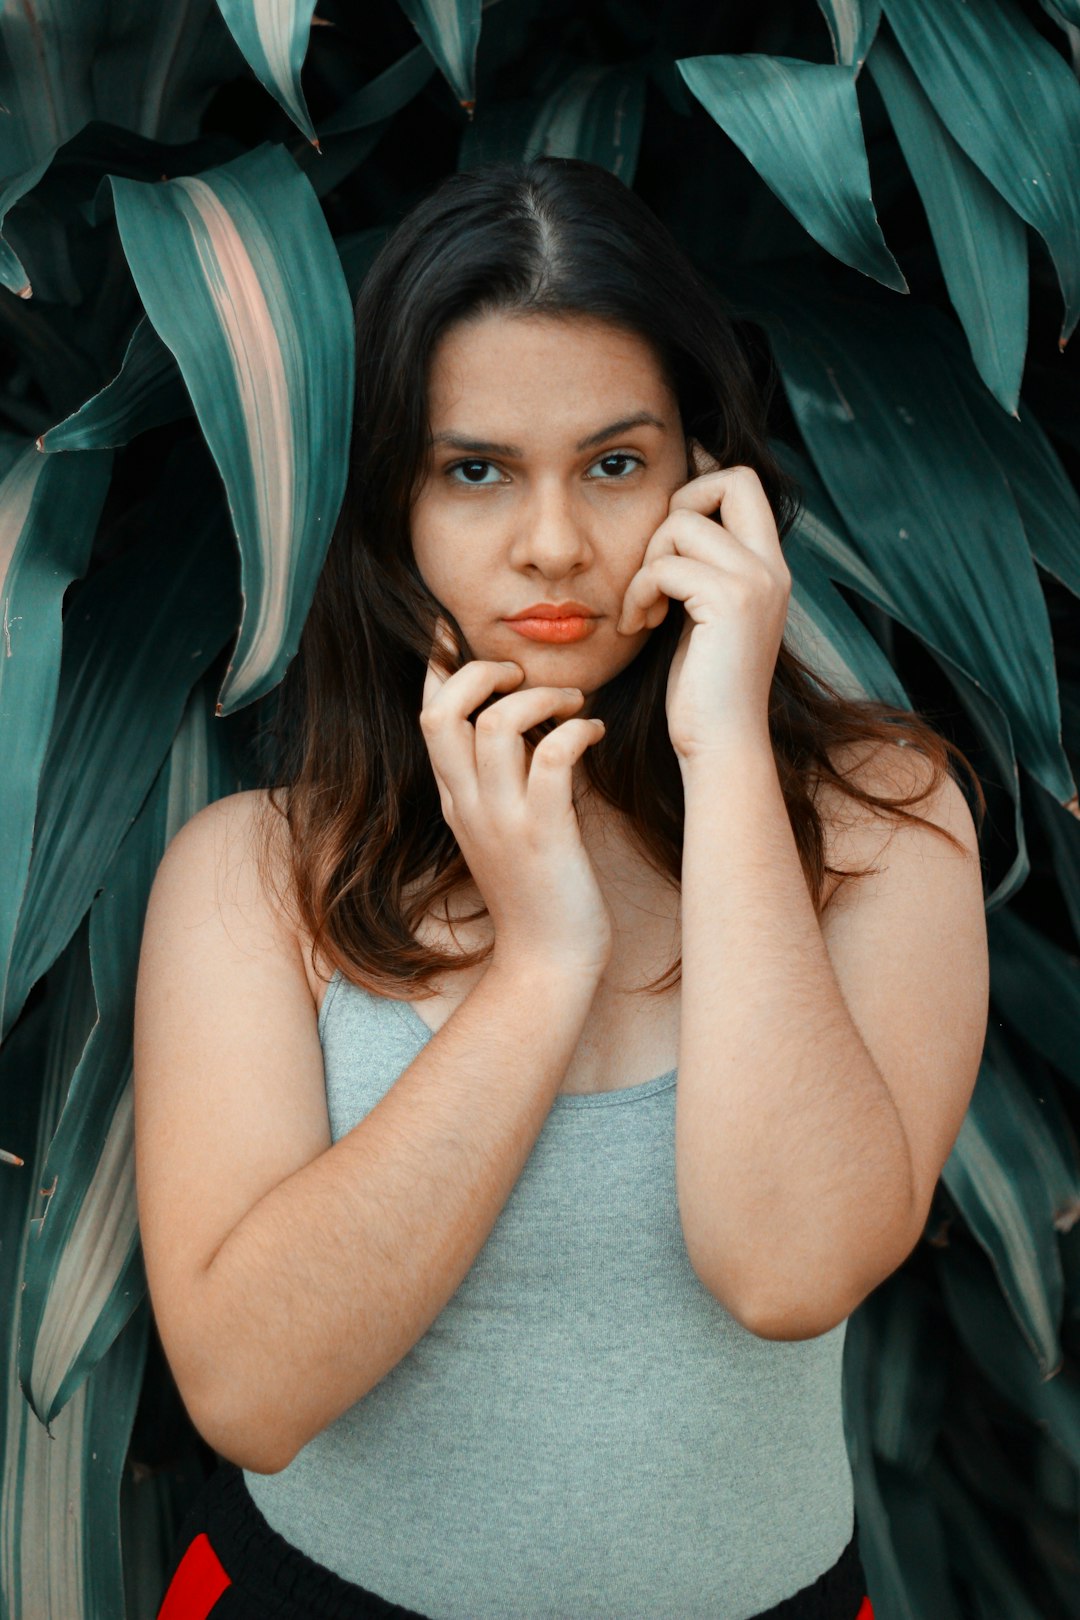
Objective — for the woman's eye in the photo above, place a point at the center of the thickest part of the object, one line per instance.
(619, 456)
(469, 468)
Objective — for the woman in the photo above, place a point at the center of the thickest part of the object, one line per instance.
(484, 1314)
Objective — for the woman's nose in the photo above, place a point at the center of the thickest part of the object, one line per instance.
(551, 532)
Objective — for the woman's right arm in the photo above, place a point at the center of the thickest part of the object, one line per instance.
(289, 1274)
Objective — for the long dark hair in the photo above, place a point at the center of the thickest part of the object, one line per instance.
(553, 235)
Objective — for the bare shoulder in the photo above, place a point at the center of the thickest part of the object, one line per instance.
(229, 1086)
(242, 841)
(859, 834)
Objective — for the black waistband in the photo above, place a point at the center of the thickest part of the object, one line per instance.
(279, 1582)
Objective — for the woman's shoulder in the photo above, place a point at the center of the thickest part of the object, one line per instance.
(247, 838)
(856, 833)
(245, 841)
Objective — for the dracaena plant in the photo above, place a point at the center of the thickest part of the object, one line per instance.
(886, 192)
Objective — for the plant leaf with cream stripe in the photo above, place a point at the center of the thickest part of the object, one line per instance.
(226, 263)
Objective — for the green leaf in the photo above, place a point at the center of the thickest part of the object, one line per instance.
(146, 392)
(1013, 1182)
(451, 31)
(84, 1273)
(909, 1383)
(350, 134)
(886, 1576)
(1037, 986)
(274, 39)
(981, 242)
(596, 114)
(48, 513)
(145, 69)
(137, 635)
(990, 1335)
(239, 274)
(1010, 101)
(824, 632)
(853, 25)
(821, 528)
(1045, 498)
(382, 97)
(799, 124)
(923, 499)
(59, 1494)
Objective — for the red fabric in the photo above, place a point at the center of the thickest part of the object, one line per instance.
(866, 1612)
(198, 1583)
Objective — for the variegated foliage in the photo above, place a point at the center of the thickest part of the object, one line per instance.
(189, 199)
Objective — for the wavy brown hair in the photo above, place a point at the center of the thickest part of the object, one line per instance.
(357, 790)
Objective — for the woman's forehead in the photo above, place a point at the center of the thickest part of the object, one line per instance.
(512, 365)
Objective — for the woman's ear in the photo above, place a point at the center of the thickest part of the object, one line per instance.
(700, 461)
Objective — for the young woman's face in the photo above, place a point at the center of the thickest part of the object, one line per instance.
(557, 445)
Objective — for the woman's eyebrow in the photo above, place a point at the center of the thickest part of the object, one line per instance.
(487, 447)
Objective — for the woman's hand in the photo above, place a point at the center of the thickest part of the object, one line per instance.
(513, 818)
(731, 577)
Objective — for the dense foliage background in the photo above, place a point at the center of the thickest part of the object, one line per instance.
(888, 194)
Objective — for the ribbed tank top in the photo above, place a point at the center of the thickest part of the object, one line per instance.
(584, 1430)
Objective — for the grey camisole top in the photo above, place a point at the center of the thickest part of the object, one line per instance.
(584, 1430)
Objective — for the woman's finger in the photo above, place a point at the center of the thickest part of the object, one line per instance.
(550, 789)
(736, 494)
(444, 719)
(501, 765)
(670, 577)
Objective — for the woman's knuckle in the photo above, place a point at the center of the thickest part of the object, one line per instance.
(489, 721)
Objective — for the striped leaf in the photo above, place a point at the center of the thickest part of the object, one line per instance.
(596, 114)
(137, 635)
(1009, 100)
(923, 499)
(799, 124)
(853, 25)
(48, 513)
(1015, 1185)
(239, 275)
(981, 242)
(146, 392)
(824, 632)
(821, 528)
(84, 1274)
(64, 65)
(59, 1493)
(451, 31)
(273, 35)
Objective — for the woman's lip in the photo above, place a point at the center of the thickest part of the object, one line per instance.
(572, 627)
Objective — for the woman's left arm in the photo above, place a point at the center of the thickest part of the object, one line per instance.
(825, 1065)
